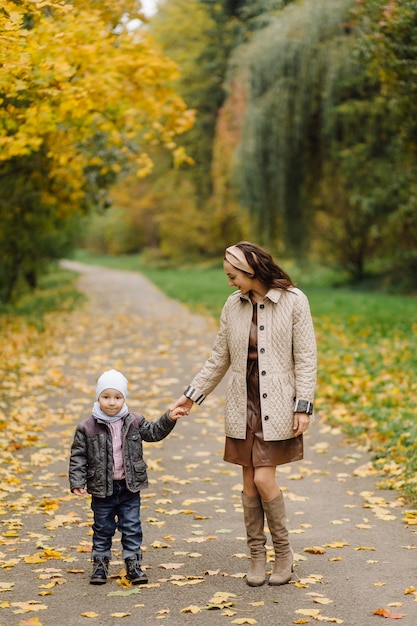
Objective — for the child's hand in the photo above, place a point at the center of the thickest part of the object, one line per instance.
(79, 491)
(177, 412)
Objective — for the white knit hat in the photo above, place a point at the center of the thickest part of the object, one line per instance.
(111, 379)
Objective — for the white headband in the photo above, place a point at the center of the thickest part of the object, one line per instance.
(236, 257)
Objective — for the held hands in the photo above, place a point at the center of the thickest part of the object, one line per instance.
(177, 411)
(184, 403)
(301, 423)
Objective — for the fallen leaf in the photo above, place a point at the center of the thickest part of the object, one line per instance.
(385, 613)
(315, 550)
(191, 609)
(308, 612)
(6, 586)
(26, 607)
(322, 601)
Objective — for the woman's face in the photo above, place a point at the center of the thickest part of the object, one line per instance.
(237, 278)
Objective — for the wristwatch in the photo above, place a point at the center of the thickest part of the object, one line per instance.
(303, 406)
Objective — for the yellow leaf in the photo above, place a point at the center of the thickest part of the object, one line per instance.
(322, 600)
(244, 620)
(191, 609)
(308, 612)
(32, 621)
(35, 558)
(6, 586)
(90, 614)
(315, 550)
(337, 544)
(221, 597)
(26, 607)
(120, 614)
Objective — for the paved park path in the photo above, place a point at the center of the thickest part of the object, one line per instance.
(354, 554)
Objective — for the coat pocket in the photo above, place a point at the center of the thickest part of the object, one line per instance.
(139, 468)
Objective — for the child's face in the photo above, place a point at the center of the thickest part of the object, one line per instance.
(111, 401)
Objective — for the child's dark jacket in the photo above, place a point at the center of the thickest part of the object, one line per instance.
(91, 461)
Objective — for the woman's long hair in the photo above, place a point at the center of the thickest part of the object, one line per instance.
(264, 266)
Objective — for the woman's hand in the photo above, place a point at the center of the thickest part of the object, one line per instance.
(79, 491)
(301, 423)
(184, 402)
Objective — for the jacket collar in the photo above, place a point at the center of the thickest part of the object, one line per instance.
(273, 295)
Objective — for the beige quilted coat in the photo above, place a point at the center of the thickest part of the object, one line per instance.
(287, 361)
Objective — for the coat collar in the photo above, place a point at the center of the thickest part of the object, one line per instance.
(273, 295)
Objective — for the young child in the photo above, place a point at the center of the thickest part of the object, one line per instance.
(107, 462)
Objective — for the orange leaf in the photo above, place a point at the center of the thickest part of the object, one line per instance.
(386, 613)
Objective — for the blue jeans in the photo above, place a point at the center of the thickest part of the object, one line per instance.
(122, 511)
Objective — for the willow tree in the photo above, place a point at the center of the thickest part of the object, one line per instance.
(288, 69)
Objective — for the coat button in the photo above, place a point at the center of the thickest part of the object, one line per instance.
(261, 306)
(261, 327)
(263, 373)
(264, 395)
(266, 418)
(262, 350)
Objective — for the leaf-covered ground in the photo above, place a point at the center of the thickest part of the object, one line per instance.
(355, 545)
(367, 385)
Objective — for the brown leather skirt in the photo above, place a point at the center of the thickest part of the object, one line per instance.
(254, 450)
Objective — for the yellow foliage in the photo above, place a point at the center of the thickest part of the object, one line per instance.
(72, 77)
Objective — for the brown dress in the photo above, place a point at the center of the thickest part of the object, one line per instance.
(254, 450)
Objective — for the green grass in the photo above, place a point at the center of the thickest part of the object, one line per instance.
(367, 345)
(205, 288)
(55, 292)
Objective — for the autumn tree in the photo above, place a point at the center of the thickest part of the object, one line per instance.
(199, 44)
(387, 45)
(81, 96)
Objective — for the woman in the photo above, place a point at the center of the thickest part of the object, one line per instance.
(266, 337)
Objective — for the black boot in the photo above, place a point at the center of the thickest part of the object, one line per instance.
(100, 570)
(134, 572)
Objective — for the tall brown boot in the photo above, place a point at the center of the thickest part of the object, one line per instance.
(254, 521)
(276, 518)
